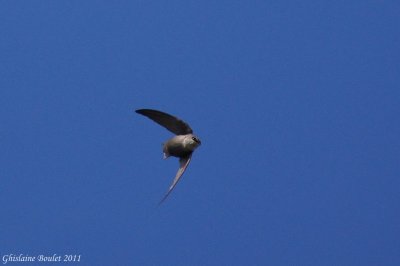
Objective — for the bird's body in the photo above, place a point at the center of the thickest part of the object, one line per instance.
(182, 145)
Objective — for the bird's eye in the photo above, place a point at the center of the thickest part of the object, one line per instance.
(193, 138)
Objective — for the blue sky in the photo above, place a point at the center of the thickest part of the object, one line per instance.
(296, 104)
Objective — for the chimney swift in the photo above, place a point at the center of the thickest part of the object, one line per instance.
(182, 145)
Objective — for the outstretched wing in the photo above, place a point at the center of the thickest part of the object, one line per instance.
(183, 164)
(172, 123)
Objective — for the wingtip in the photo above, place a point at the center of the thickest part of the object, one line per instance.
(164, 198)
(145, 111)
(160, 202)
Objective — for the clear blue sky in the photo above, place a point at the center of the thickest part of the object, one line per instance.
(296, 104)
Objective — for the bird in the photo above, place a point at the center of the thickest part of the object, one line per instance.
(182, 145)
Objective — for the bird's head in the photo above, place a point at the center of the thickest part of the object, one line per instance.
(192, 141)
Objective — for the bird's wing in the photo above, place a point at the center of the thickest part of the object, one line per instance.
(183, 164)
(173, 124)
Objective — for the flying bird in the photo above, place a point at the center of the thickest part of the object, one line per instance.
(182, 145)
